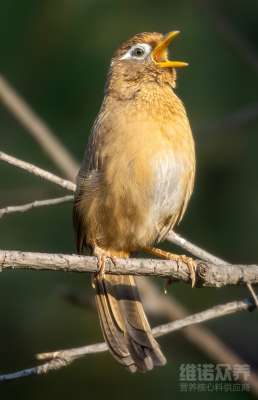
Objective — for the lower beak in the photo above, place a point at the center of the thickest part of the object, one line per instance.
(159, 53)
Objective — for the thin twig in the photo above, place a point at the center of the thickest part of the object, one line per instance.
(208, 274)
(253, 294)
(197, 251)
(37, 128)
(34, 204)
(62, 358)
(33, 169)
(198, 335)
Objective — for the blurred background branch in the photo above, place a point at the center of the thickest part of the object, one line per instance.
(232, 36)
(37, 128)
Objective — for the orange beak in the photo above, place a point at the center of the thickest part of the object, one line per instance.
(159, 53)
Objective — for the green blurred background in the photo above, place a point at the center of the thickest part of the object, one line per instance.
(56, 54)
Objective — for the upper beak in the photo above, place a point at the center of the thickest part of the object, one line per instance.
(159, 53)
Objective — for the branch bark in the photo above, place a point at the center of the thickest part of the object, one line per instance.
(208, 274)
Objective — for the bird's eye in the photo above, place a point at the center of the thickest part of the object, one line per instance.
(138, 52)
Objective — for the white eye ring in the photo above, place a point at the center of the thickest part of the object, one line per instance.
(139, 51)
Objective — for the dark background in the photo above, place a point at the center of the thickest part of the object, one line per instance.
(56, 54)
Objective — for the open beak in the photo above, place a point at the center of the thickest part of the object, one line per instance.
(159, 53)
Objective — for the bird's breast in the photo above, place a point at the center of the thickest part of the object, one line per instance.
(149, 173)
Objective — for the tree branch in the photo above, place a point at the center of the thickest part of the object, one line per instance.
(34, 204)
(208, 275)
(197, 251)
(33, 169)
(62, 358)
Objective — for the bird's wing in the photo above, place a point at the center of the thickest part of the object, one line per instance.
(89, 176)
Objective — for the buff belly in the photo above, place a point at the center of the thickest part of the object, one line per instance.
(133, 212)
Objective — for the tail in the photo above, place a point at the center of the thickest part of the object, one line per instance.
(124, 323)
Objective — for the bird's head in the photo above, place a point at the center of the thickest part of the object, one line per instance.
(145, 57)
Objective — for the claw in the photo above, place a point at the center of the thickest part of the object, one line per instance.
(191, 264)
(101, 269)
(102, 256)
(114, 260)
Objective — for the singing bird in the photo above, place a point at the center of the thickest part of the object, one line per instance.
(134, 184)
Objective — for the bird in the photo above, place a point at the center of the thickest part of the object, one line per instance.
(134, 184)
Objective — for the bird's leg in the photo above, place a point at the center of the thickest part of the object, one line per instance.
(191, 264)
(101, 266)
(102, 256)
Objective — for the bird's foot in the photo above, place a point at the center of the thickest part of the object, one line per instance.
(101, 266)
(102, 256)
(191, 264)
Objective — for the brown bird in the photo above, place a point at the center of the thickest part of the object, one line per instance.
(134, 184)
